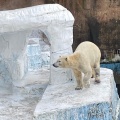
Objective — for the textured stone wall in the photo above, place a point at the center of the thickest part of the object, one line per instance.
(14, 4)
(107, 14)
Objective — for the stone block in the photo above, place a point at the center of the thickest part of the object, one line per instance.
(63, 102)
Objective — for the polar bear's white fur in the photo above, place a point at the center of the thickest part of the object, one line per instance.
(86, 59)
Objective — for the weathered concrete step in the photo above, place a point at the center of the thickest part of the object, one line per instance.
(63, 102)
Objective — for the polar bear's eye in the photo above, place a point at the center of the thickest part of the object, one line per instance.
(59, 61)
(66, 59)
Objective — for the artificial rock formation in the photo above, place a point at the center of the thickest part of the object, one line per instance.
(54, 21)
(62, 102)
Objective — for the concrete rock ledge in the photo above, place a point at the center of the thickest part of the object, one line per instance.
(62, 102)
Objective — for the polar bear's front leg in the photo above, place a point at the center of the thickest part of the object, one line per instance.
(78, 76)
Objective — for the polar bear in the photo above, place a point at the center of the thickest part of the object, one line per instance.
(85, 59)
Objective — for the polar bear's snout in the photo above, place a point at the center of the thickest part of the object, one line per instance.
(55, 65)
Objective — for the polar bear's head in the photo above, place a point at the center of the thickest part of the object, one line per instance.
(62, 62)
(69, 61)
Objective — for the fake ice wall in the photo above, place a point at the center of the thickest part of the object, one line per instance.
(55, 21)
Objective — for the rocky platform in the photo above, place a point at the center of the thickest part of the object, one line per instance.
(63, 102)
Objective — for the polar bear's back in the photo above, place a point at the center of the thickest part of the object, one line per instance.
(90, 51)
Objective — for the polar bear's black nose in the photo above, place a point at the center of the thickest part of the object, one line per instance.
(54, 65)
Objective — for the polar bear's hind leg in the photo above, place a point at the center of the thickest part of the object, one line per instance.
(97, 73)
(87, 76)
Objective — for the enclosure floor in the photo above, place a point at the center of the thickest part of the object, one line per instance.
(19, 103)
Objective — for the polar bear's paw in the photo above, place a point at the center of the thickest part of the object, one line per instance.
(78, 88)
(97, 81)
(87, 85)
